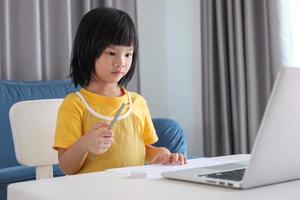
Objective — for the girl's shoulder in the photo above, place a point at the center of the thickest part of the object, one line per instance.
(71, 98)
(72, 101)
(137, 98)
(136, 95)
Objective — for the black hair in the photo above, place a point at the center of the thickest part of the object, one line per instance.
(98, 29)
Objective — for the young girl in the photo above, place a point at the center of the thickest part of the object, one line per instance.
(103, 62)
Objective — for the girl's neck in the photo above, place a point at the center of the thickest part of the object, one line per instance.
(111, 90)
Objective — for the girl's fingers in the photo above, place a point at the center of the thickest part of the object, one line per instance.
(165, 159)
(174, 158)
(182, 159)
(177, 159)
(107, 134)
(106, 140)
(105, 145)
(160, 159)
(100, 125)
(170, 159)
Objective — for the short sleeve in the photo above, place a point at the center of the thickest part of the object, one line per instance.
(69, 123)
(149, 133)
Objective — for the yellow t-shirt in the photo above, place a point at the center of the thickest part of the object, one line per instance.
(133, 130)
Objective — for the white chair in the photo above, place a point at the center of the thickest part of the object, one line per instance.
(33, 128)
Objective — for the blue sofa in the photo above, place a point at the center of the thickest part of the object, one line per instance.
(169, 132)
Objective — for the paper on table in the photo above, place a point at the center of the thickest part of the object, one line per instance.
(154, 171)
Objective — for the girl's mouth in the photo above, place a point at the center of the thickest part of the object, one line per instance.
(118, 73)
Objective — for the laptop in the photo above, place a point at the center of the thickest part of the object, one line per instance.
(276, 151)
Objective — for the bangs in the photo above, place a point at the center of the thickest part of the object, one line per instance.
(120, 31)
(122, 35)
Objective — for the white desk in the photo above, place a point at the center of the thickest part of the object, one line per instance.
(109, 185)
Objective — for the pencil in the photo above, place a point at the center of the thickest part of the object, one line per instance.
(112, 123)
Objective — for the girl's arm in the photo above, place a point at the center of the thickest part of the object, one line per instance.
(72, 159)
(97, 141)
(162, 155)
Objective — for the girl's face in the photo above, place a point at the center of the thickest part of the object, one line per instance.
(113, 64)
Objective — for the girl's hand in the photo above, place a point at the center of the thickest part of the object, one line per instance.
(98, 140)
(165, 157)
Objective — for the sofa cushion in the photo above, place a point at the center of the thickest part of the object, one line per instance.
(21, 173)
(15, 91)
(17, 174)
(170, 134)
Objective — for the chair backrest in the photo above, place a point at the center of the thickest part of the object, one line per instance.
(33, 127)
(170, 135)
(11, 92)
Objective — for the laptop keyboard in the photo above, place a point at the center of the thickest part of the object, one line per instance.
(234, 175)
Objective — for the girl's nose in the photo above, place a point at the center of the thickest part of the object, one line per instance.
(119, 62)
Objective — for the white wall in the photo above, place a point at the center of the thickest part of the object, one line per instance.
(169, 33)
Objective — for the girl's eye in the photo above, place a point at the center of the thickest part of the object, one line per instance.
(128, 54)
(110, 53)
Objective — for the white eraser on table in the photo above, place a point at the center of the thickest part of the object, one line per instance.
(138, 174)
